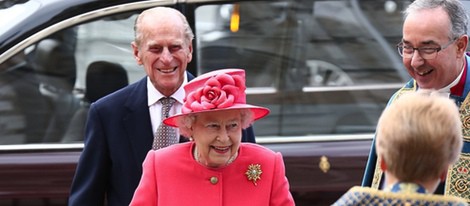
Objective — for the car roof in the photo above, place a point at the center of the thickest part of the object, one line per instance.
(27, 18)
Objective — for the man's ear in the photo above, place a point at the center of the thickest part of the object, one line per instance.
(190, 54)
(462, 43)
(383, 164)
(135, 51)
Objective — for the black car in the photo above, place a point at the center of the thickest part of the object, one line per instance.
(325, 69)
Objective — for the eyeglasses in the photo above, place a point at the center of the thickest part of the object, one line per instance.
(425, 52)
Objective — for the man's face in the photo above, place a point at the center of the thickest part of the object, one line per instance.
(164, 52)
(430, 28)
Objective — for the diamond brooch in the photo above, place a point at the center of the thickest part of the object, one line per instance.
(253, 173)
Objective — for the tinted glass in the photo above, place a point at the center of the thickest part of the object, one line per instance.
(322, 67)
(46, 89)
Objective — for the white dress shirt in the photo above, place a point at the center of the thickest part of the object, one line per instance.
(155, 107)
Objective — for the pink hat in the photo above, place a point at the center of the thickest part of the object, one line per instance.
(218, 90)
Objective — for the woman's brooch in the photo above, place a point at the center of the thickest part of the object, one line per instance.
(254, 173)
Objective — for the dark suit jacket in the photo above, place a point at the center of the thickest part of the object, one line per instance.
(118, 137)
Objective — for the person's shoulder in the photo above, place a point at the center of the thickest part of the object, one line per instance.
(361, 195)
(253, 147)
(121, 95)
(410, 86)
(358, 196)
(190, 76)
(258, 152)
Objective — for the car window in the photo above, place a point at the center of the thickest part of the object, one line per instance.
(95, 44)
(321, 67)
(46, 89)
(318, 72)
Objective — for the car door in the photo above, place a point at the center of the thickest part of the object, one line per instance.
(325, 69)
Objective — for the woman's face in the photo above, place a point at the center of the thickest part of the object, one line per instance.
(217, 136)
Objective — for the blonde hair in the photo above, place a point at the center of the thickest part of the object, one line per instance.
(185, 122)
(419, 136)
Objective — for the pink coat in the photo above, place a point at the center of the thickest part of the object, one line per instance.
(171, 177)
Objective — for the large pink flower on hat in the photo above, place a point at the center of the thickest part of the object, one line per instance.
(213, 91)
(218, 92)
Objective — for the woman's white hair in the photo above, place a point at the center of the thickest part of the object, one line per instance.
(185, 122)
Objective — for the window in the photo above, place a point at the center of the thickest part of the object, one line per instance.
(44, 90)
(322, 67)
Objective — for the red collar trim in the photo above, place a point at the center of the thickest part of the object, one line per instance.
(457, 90)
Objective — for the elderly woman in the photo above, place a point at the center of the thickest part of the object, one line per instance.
(214, 168)
(418, 137)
